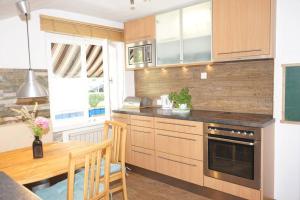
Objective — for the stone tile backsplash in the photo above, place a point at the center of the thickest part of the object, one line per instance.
(10, 81)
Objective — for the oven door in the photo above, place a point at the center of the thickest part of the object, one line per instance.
(233, 160)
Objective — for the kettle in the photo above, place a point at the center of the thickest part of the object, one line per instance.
(165, 102)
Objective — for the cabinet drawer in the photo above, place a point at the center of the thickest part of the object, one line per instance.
(121, 118)
(182, 168)
(180, 144)
(142, 121)
(142, 137)
(231, 188)
(144, 158)
(179, 125)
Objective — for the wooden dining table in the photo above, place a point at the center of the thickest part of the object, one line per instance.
(20, 165)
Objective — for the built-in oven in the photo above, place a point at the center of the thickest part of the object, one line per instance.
(140, 54)
(232, 154)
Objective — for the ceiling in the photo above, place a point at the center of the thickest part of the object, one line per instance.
(118, 10)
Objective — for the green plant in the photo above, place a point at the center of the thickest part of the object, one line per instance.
(183, 97)
(94, 99)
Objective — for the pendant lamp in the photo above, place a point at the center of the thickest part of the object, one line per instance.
(31, 88)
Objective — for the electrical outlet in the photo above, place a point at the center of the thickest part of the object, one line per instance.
(203, 75)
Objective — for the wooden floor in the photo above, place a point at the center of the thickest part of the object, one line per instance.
(152, 186)
(144, 188)
(146, 185)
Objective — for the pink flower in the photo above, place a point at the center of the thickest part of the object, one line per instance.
(42, 122)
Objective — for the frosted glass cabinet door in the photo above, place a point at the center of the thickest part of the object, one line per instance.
(168, 38)
(196, 32)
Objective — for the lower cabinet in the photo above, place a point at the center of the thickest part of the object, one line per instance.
(231, 188)
(179, 167)
(167, 146)
(142, 137)
(144, 158)
(180, 144)
(125, 119)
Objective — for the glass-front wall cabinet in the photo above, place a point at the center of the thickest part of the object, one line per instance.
(168, 36)
(184, 35)
(196, 32)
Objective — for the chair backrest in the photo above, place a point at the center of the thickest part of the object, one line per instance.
(92, 158)
(118, 136)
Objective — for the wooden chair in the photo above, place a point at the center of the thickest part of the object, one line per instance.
(85, 184)
(118, 136)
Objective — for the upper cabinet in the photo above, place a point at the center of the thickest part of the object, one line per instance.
(168, 35)
(140, 29)
(242, 29)
(184, 35)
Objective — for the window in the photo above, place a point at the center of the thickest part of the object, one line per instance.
(78, 81)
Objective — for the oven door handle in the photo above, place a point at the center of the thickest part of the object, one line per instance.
(232, 141)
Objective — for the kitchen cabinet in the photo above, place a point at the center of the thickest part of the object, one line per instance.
(184, 35)
(233, 189)
(167, 146)
(168, 38)
(140, 29)
(242, 29)
(180, 167)
(125, 119)
(196, 32)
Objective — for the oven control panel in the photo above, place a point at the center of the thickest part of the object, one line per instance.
(232, 131)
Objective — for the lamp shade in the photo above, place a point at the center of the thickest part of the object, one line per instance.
(31, 88)
(23, 7)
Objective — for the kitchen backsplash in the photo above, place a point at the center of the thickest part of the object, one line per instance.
(244, 86)
(10, 80)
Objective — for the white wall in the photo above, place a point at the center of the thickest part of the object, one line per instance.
(287, 153)
(13, 54)
(13, 49)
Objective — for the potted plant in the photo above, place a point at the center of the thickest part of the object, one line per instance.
(39, 126)
(182, 100)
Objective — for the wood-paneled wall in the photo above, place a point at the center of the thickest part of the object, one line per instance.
(245, 87)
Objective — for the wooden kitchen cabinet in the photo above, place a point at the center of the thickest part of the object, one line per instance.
(242, 29)
(231, 188)
(125, 119)
(140, 29)
(142, 137)
(144, 158)
(179, 167)
(187, 145)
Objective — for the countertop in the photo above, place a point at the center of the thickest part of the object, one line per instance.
(241, 119)
(9, 189)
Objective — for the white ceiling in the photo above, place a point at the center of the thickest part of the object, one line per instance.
(118, 10)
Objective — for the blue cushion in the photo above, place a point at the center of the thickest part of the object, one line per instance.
(114, 167)
(58, 191)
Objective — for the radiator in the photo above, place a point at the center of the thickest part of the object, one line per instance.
(90, 134)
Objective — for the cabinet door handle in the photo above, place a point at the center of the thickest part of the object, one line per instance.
(148, 154)
(138, 131)
(244, 51)
(192, 165)
(176, 124)
(176, 137)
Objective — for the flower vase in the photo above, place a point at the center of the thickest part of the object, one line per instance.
(37, 147)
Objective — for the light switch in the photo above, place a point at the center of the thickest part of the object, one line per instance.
(158, 102)
(203, 75)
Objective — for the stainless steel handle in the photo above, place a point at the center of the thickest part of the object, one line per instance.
(232, 141)
(242, 51)
(138, 131)
(176, 137)
(193, 165)
(148, 154)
